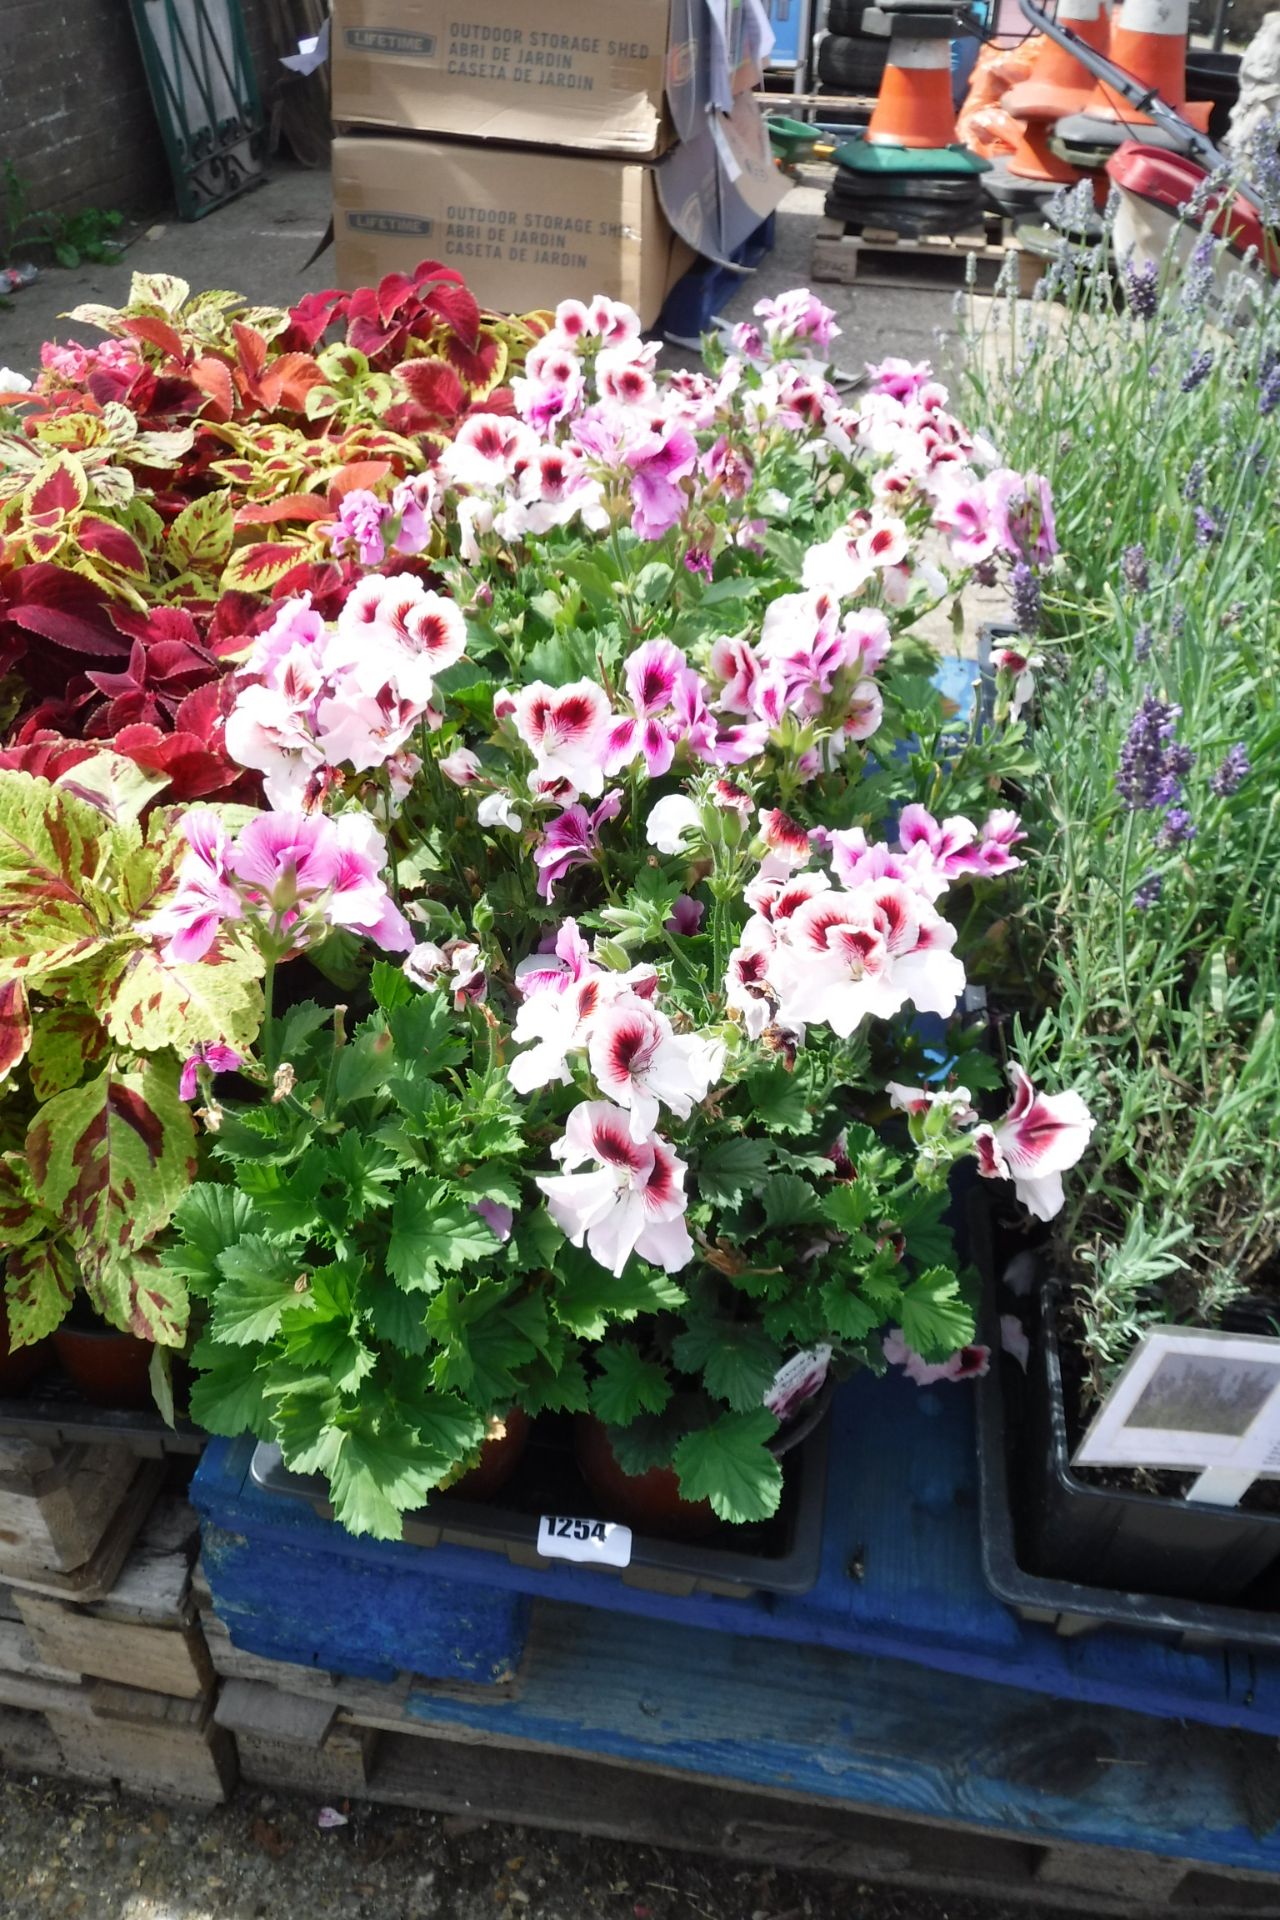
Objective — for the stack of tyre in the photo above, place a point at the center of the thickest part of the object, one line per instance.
(849, 59)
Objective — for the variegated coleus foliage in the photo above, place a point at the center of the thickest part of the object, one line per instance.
(160, 491)
(96, 1145)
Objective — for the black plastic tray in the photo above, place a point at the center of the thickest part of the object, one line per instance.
(781, 1555)
(1073, 1605)
(54, 1411)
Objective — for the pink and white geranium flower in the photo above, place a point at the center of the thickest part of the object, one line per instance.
(652, 675)
(572, 840)
(966, 1363)
(640, 1062)
(1040, 1138)
(630, 1199)
(567, 730)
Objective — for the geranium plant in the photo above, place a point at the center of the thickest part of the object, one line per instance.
(652, 791)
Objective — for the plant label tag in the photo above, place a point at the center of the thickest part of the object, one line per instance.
(1195, 1399)
(597, 1543)
(797, 1380)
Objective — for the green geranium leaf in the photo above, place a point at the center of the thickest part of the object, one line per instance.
(209, 1219)
(227, 1397)
(732, 1171)
(259, 1281)
(729, 1464)
(391, 988)
(377, 1474)
(736, 1360)
(363, 1065)
(426, 1040)
(433, 1229)
(627, 1385)
(780, 1100)
(790, 1201)
(546, 1389)
(849, 1314)
(919, 1216)
(936, 1319)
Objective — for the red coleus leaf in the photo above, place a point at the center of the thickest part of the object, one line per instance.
(311, 319)
(478, 366)
(329, 582)
(45, 754)
(158, 623)
(157, 333)
(193, 767)
(61, 607)
(112, 544)
(251, 347)
(450, 299)
(136, 387)
(366, 331)
(435, 387)
(59, 489)
(356, 473)
(213, 378)
(393, 290)
(293, 506)
(15, 1025)
(288, 380)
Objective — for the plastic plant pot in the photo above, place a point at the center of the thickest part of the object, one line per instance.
(499, 1458)
(111, 1369)
(19, 1365)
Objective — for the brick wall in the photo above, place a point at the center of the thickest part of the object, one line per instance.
(76, 117)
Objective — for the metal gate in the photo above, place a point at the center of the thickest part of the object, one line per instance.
(206, 98)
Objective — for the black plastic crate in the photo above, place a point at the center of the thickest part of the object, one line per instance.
(780, 1555)
(1115, 1558)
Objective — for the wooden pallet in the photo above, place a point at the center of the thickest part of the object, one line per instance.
(69, 1515)
(937, 262)
(120, 1687)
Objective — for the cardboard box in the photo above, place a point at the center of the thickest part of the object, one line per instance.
(526, 227)
(606, 76)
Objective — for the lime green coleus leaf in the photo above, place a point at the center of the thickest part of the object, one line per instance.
(53, 850)
(729, 1464)
(39, 1286)
(64, 1042)
(112, 1159)
(936, 1319)
(149, 1001)
(15, 1026)
(22, 1218)
(117, 786)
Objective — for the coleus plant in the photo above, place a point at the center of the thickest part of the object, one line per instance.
(661, 807)
(96, 1143)
(158, 490)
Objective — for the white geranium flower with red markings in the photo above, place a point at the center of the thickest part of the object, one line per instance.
(1040, 1138)
(642, 1063)
(629, 1199)
(847, 956)
(567, 730)
(488, 450)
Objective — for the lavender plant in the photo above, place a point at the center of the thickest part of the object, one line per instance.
(1151, 920)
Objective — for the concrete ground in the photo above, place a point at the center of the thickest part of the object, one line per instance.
(78, 1853)
(258, 245)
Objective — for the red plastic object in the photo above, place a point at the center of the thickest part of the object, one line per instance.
(1170, 180)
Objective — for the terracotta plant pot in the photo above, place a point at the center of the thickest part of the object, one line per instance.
(19, 1365)
(650, 1502)
(110, 1368)
(499, 1458)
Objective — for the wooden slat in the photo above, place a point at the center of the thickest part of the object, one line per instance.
(60, 1525)
(172, 1660)
(27, 1744)
(246, 1706)
(195, 1765)
(934, 261)
(20, 1653)
(96, 1576)
(340, 1768)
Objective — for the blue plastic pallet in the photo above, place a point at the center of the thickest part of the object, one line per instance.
(901, 1580)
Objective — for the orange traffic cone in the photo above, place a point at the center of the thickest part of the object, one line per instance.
(1149, 40)
(914, 107)
(1058, 85)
